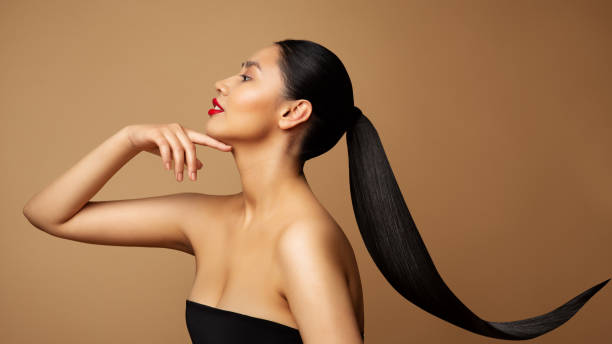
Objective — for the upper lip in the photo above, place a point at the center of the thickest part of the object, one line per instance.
(215, 102)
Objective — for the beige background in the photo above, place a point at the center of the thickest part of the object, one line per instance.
(495, 116)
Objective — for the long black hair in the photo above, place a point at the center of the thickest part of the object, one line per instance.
(311, 71)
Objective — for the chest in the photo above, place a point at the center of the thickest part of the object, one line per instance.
(239, 270)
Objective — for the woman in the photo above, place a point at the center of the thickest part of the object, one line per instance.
(272, 264)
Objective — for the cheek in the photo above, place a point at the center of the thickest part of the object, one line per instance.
(252, 125)
(248, 101)
(251, 110)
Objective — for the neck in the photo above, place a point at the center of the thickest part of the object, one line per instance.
(270, 178)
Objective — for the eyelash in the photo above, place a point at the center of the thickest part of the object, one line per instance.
(243, 75)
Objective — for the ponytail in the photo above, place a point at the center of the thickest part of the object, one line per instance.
(393, 241)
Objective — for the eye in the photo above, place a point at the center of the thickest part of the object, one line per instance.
(244, 75)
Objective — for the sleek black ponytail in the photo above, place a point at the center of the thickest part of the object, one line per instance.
(312, 72)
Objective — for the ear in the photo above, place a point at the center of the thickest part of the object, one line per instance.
(298, 111)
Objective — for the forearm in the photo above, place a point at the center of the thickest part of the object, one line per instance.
(67, 194)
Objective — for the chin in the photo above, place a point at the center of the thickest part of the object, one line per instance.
(214, 128)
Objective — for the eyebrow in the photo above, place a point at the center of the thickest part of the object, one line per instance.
(248, 64)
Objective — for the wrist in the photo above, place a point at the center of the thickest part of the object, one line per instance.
(124, 135)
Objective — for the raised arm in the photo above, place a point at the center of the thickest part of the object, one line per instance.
(63, 208)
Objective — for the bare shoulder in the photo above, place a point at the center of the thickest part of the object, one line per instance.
(318, 236)
(320, 280)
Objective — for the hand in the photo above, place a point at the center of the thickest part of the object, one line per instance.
(173, 142)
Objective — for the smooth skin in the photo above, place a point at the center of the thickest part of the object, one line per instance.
(271, 251)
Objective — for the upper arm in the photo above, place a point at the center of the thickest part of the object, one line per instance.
(316, 287)
(152, 222)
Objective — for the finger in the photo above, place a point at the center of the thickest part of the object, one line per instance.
(204, 139)
(177, 152)
(190, 152)
(163, 150)
(199, 164)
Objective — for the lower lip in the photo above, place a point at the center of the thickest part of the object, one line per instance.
(214, 111)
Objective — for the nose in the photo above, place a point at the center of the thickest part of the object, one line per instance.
(221, 87)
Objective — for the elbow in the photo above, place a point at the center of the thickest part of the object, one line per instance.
(30, 215)
(36, 218)
(27, 212)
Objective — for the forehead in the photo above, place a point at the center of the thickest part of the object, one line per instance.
(267, 58)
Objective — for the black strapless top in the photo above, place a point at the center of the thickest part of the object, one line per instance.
(210, 325)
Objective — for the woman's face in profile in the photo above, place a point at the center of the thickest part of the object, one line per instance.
(251, 100)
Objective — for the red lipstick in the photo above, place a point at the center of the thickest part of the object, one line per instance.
(214, 111)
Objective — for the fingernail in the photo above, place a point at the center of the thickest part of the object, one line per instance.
(193, 176)
(180, 176)
(167, 166)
